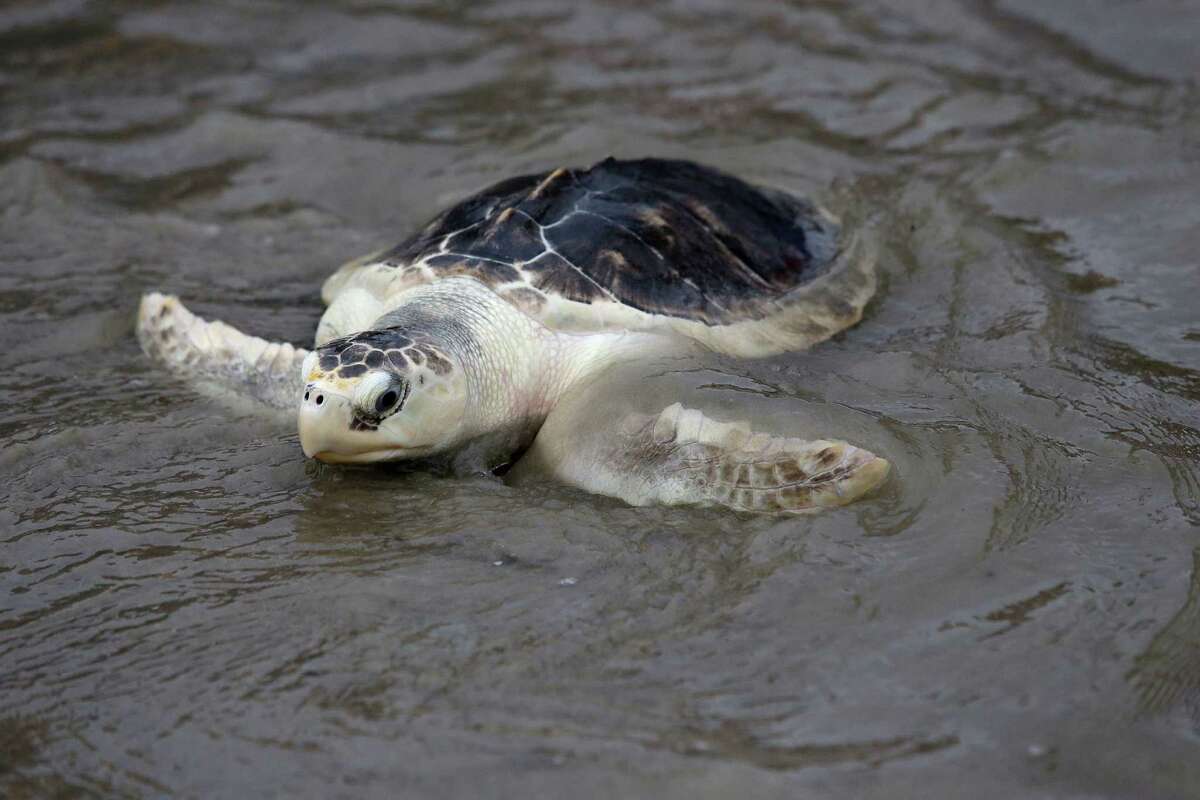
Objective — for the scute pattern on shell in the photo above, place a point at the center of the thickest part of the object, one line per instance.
(665, 237)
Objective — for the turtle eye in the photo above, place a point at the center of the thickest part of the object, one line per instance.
(386, 401)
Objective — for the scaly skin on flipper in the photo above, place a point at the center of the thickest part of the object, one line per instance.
(217, 356)
(707, 462)
(683, 457)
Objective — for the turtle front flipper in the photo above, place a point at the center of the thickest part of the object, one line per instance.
(682, 457)
(707, 462)
(217, 357)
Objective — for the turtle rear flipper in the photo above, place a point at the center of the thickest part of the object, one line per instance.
(217, 357)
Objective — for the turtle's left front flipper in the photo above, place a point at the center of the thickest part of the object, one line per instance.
(683, 457)
(217, 357)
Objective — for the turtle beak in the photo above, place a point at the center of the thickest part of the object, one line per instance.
(324, 421)
(327, 432)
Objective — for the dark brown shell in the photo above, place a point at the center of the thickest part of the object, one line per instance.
(665, 237)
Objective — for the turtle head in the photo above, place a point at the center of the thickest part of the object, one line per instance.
(380, 396)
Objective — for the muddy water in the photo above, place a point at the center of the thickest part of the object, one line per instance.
(189, 609)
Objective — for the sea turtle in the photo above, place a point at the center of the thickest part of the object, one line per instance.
(518, 324)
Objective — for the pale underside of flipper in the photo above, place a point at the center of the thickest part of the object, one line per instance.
(217, 358)
(682, 457)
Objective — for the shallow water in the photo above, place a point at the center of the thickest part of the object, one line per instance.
(191, 609)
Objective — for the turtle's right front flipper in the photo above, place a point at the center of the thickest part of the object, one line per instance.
(218, 357)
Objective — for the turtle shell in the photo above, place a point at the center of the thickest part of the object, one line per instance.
(652, 244)
(664, 237)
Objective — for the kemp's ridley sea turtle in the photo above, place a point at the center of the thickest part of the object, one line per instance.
(498, 330)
